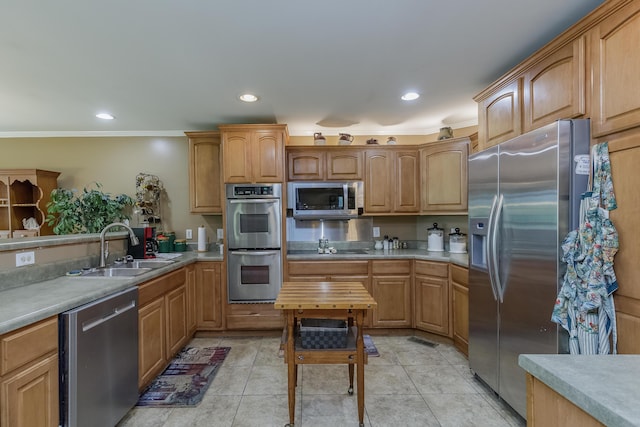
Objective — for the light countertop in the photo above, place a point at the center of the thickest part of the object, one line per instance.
(604, 386)
(27, 304)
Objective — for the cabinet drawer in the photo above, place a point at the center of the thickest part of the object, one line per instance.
(428, 268)
(25, 233)
(27, 344)
(325, 268)
(391, 267)
(154, 288)
(460, 275)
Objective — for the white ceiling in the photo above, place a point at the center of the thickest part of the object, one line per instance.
(163, 67)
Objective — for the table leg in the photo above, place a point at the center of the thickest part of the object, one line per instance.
(360, 363)
(291, 365)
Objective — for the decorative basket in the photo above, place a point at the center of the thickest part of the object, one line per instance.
(323, 333)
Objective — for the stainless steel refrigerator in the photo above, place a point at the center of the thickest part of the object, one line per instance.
(524, 198)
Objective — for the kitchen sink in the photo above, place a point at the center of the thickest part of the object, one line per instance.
(142, 263)
(115, 272)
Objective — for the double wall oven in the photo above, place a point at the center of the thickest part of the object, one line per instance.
(254, 236)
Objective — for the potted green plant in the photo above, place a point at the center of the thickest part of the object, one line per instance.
(89, 211)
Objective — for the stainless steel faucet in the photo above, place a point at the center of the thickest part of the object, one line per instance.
(103, 253)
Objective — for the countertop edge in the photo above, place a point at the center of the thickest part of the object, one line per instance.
(73, 292)
(549, 369)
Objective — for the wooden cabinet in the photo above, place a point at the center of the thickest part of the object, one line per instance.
(324, 164)
(615, 63)
(209, 296)
(331, 271)
(499, 115)
(392, 180)
(555, 87)
(205, 173)
(459, 277)
(24, 193)
(162, 323)
(547, 408)
(29, 393)
(431, 300)
(444, 176)
(253, 153)
(391, 288)
(192, 299)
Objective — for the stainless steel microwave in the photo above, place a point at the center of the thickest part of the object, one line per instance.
(326, 200)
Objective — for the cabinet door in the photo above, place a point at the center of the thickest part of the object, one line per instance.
(305, 165)
(236, 154)
(407, 181)
(615, 63)
(191, 299)
(432, 304)
(344, 165)
(177, 336)
(393, 295)
(267, 156)
(500, 116)
(205, 189)
(555, 87)
(460, 304)
(208, 295)
(444, 177)
(30, 397)
(152, 350)
(379, 177)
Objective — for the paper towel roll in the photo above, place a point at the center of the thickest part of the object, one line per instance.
(202, 239)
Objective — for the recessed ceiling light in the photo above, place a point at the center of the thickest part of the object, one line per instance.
(105, 116)
(248, 97)
(410, 96)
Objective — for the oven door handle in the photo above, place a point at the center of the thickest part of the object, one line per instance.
(239, 201)
(254, 253)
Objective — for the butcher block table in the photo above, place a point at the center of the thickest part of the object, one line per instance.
(325, 300)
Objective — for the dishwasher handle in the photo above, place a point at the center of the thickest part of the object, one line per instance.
(90, 324)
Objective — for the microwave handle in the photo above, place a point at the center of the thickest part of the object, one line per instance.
(236, 201)
(254, 253)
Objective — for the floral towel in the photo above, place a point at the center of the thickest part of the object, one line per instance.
(584, 306)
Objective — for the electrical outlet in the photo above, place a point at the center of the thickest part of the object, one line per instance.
(25, 258)
(376, 231)
(220, 234)
(189, 234)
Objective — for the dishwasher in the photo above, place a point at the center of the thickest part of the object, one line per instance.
(99, 361)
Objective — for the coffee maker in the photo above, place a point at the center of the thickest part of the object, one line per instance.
(148, 245)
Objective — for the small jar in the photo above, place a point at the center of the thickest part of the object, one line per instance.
(396, 243)
(180, 245)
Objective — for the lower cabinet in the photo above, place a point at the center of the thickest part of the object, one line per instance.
(336, 271)
(460, 306)
(391, 288)
(431, 299)
(162, 323)
(29, 376)
(208, 290)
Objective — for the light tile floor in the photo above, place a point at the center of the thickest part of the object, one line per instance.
(410, 384)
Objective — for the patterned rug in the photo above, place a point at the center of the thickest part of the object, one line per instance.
(186, 379)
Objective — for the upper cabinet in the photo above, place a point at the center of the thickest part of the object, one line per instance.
(615, 64)
(499, 115)
(444, 176)
(554, 88)
(324, 164)
(253, 153)
(24, 194)
(392, 181)
(205, 172)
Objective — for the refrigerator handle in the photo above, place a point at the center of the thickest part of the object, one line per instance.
(494, 248)
(488, 247)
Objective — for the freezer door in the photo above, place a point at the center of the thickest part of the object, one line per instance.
(528, 253)
(483, 308)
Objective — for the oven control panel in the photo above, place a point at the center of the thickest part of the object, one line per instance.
(254, 191)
